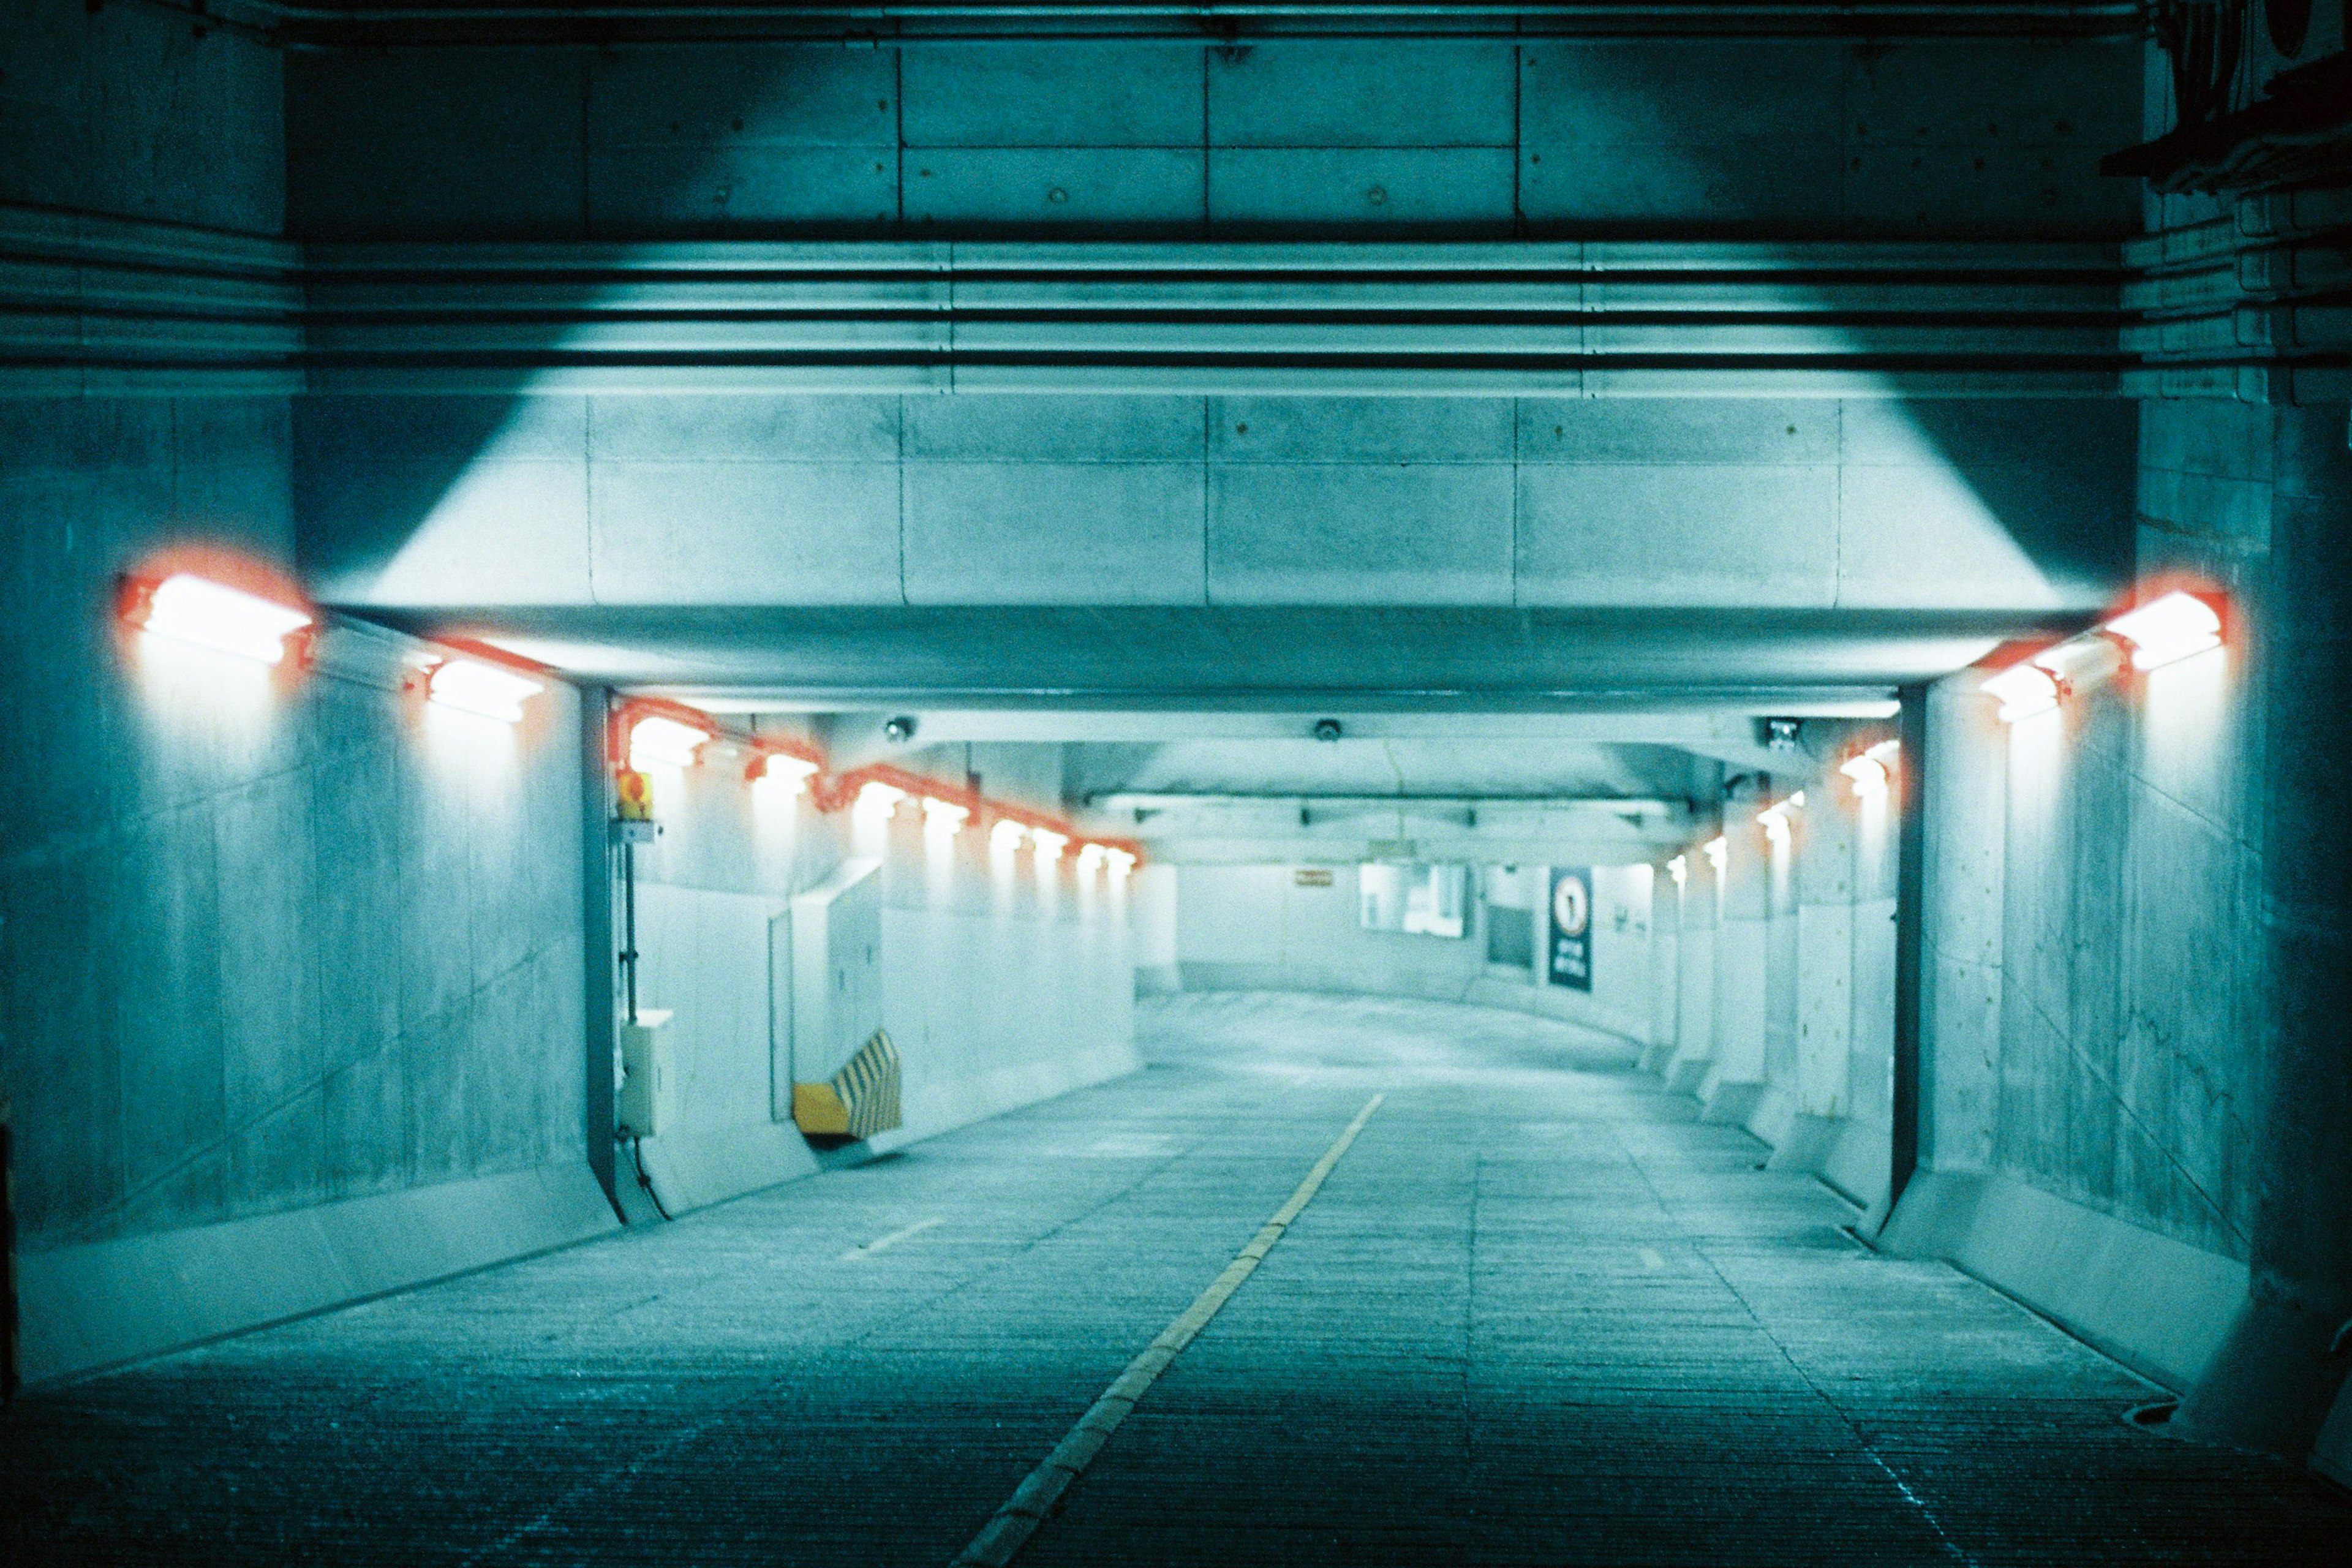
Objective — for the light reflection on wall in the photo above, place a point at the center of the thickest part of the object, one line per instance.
(210, 715)
(2189, 737)
(1005, 841)
(776, 824)
(466, 749)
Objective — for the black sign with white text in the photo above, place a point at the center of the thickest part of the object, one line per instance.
(1570, 961)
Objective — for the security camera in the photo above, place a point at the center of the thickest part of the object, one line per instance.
(900, 730)
(1326, 729)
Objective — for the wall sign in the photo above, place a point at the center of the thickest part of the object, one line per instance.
(1312, 877)
(1569, 961)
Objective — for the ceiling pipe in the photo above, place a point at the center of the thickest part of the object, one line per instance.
(1010, 23)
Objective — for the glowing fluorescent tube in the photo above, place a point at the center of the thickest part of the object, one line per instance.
(659, 742)
(1868, 774)
(1776, 824)
(1679, 870)
(792, 772)
(191, 609)
(1121, 862)
(471, 686)
(2168, 628)
(2023, 690)
(1006, 836)
(944, 817)
(1091, 856)
(1049, 845)
(1718, 851)
(877, 802)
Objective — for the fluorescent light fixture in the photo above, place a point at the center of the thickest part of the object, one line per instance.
(1049, 845)
(1679, 870)
(471, 686)
(1869, 770)
(2167, 628)
(944, 817)
(877, 802)
(1868, 774)
(1006, 836)
(1121, 862)
(1776, 824)
(1090, 856)
(1717, 850)
(792, 772)
(659, 743)
(1796, 799)
(2023, 690)
(191, 609)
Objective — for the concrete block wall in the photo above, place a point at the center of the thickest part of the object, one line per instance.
(2134, 1017)
(1002, 981)
(1775, 976)
(1260, 927)
(1805, 504)
(290, 966)
(1280, 138)
(125, 110)
(268, 940)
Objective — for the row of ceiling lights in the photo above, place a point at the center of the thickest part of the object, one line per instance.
(187, 607)
(672, 735)
(194, 609)
(1869, 770)
(2166, 630)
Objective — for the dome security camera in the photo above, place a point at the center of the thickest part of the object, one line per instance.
(900, 730)
(1326, 729)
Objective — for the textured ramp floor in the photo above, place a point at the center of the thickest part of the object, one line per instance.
(1537, 1315)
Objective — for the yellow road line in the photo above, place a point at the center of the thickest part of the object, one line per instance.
(1033, 1501)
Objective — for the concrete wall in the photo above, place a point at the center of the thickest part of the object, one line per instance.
(124, 111)
(2134, 1035)
(1260, 927)
(1279, 138)
(264, 943)
(1002, 981)
(290, 985)
(1775, 977)
(978, 499)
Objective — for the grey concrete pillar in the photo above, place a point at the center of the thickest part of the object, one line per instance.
(1665, 971)
(2270, 1385)
(1735, 1079)
(596, 927)
(1701, 903)
(1966, 883)
(1824, 895)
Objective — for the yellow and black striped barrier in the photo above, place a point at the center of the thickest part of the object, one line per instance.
(859, 1101)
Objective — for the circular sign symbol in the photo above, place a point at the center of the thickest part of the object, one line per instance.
(1572, 907)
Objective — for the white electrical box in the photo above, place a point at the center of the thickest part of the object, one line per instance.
(648, 1102)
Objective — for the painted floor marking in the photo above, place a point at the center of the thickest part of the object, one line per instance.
(1032, 1501)
(884, 1243)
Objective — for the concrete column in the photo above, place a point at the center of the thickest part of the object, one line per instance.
(1665, 975)
(1735, 1080)
(1700, 900)
(1819, 1099)
(1151, 914)
(1776, 1110)
(1862, 1163)
(2270, 1385)
(1966, 881)
(596, 931)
